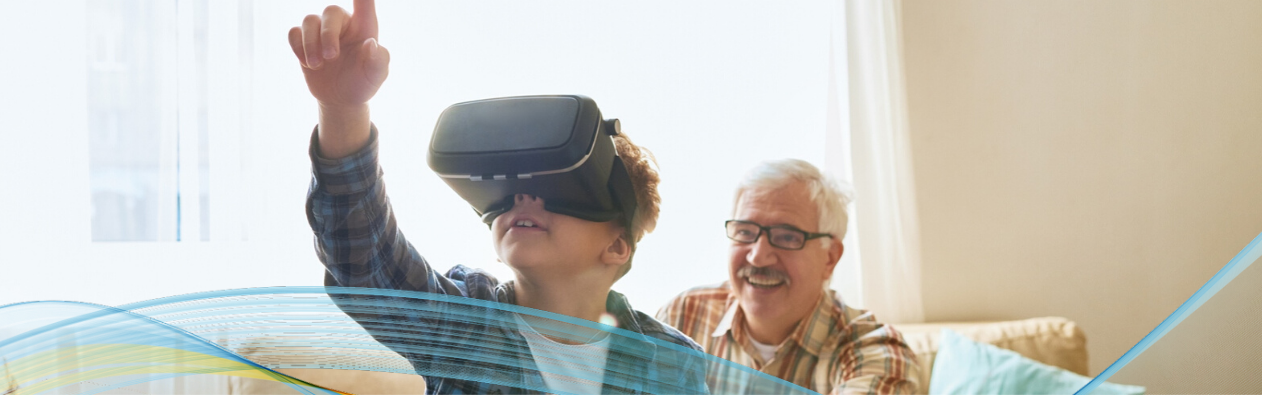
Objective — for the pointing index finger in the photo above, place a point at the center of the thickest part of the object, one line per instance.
(365, 13)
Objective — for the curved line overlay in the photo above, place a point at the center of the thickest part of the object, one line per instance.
(251, 332)
(1241, 261)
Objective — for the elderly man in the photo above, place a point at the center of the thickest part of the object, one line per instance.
(776, 313)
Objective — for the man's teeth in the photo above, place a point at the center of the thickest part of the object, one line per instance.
(764, 281)
(526, 223)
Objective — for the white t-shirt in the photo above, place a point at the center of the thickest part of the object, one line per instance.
(569, 360)
(767, 351)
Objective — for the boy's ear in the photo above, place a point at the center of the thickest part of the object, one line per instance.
(617, 252)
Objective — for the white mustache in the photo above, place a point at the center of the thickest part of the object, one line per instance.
(749, 271)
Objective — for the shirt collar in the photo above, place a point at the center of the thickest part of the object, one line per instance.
(825, 321)
(725, 324)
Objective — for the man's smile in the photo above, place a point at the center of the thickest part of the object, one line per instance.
(763, 278)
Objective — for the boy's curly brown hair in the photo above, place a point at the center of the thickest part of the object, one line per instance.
(641, 167)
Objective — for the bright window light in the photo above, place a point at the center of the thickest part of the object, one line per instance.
(178, 136)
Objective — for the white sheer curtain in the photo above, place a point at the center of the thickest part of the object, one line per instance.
(885, 201)
(848, 275)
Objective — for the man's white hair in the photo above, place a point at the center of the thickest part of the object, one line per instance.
(829, 195)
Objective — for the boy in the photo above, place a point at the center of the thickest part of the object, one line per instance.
(562, 264)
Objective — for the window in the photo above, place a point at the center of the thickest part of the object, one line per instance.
(194, 121)
(154, 95)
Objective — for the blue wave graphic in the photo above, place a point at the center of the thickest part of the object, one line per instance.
(71, 343)
(59, 344)
(1237, 264)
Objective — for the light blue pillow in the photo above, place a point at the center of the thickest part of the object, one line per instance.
(964, 366)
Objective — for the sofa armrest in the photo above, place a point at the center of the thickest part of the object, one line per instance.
(319, 365)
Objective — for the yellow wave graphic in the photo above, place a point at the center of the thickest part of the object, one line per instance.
(81, 363)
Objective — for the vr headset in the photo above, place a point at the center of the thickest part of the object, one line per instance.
(557, 148)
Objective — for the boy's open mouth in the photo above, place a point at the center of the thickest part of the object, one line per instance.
(525, 222)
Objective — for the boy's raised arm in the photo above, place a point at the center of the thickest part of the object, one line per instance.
(344, 66)
(356, 235)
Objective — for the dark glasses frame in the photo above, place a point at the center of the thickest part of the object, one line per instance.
(806, 236)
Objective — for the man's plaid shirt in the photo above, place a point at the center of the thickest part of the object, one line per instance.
(360, 244)
(835, 350)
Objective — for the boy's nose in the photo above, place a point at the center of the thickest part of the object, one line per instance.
(525, 198)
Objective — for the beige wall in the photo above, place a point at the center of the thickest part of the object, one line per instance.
(1093, 160)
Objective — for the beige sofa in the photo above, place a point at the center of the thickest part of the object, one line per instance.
(1051, 340)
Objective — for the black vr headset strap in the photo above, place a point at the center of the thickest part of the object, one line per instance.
(622, 191)
(619, 180)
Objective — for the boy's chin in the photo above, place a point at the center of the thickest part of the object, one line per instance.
(541, 267)
(526, 260)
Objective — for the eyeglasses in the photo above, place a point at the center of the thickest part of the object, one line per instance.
(781, 236)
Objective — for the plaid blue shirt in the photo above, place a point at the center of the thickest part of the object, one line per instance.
(359, 242)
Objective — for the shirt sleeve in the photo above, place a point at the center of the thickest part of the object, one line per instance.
(878, 361)
(666, 313)
(356, 236)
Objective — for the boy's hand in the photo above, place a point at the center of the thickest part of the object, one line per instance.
(344, 66)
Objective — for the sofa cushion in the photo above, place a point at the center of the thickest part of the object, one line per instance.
(1054, 341)
(964, 366)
